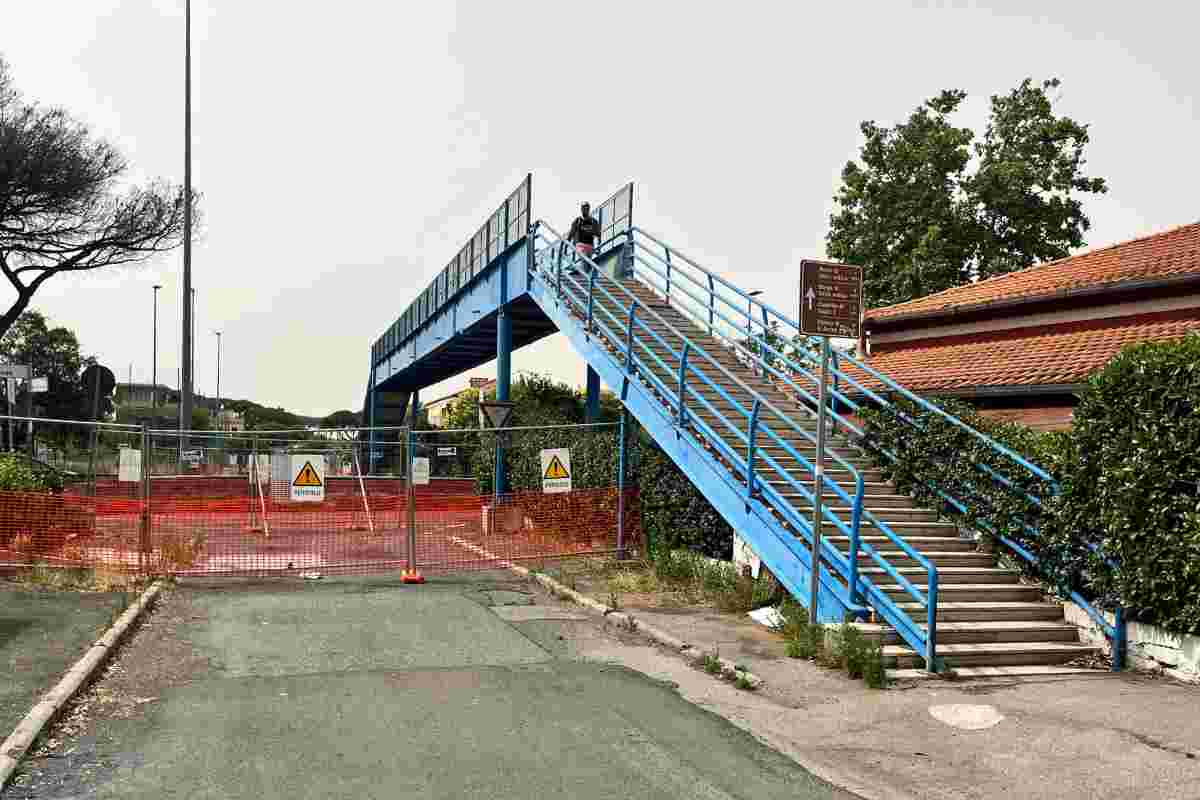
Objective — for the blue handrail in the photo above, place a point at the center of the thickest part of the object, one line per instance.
(744, 306)
(761, 357)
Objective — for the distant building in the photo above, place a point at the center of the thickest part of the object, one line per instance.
(230, 421)
(435, 410)
(1021, 346)
(143, 394)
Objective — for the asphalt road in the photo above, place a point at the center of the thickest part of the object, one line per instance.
(363, 688)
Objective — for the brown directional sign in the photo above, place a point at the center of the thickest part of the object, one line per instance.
(830, 299)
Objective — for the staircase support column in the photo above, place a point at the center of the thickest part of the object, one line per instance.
(371, 425)
(621, 482)
(503, 372)
(591, 408)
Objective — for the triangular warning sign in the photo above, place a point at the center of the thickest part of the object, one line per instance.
(308, 476)
(555, 470)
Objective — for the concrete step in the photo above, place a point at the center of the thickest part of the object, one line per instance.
(965, 592)
(992, 654)
(1027, 671)
(990, 611)
(888, 514)
(950, 558)
(883, 544)
(981, 632)
(976, 576)
(875, 494)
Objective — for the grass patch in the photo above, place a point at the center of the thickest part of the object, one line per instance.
(711, 663)
(745, 684)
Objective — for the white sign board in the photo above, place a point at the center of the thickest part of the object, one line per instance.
(307, 478)
(16, 371)
(129, 470)
(37, 385)
(556, 470)
(420, 471)
(447, 451)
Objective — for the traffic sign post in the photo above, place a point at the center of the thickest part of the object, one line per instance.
(830, 305)
(830, 299)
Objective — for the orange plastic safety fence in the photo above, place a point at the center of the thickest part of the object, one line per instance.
(240, 532)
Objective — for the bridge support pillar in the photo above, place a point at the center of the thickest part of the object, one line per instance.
(591, 408)
(503, 376)
(371, 425)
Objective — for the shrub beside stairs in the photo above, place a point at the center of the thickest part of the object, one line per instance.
(990, 621)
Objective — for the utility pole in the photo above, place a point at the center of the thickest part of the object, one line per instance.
(185, 399)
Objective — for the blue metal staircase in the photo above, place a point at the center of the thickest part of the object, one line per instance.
(701, 391)
(727, 387)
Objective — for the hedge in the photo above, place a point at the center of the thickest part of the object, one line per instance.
(19, 474)
(1128, 476)
(1133, 480)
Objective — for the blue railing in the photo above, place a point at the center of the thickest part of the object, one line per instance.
(756, 331)
(623, 322)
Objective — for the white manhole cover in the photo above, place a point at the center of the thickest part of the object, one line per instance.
(967, 717)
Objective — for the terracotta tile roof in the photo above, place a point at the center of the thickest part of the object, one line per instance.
(1064, 354)
(1172, 253)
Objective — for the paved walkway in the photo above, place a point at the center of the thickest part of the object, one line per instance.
(362, 688)
(42, 633)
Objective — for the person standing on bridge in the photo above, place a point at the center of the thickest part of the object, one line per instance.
(585, 230)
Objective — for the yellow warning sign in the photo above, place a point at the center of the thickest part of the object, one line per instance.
(556, 470)
(308, 476)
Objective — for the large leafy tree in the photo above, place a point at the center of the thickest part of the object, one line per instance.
(53, 353)
(928, 206)
(62, 205)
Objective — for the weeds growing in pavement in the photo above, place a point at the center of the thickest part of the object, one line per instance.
(711, 663)
(874, 673)
(745, 684)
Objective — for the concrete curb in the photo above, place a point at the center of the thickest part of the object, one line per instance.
(28, 729)
(630, 623)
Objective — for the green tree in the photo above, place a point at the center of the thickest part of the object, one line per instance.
(53, 353)
(919, 221)
(63, 205)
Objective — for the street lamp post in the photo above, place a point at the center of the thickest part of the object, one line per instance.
(154, 359)
(218, 333)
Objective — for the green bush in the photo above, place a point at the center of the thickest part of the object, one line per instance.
(1128, 473)
(18, 474)
(1133, 480)
(674, 513)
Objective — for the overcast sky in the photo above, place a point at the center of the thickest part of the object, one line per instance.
(346, 150)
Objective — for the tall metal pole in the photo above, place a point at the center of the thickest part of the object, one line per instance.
(218, 377)
(185, 408)
(187, 378)
(154, 358)
(818, 485)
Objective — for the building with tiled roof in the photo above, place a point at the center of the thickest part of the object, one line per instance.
(1021, 345)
